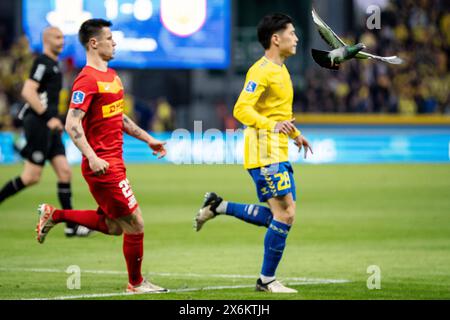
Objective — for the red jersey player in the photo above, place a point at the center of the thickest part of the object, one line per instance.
(95, 123)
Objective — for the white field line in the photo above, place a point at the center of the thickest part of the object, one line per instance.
(175, 275)
(289, 281)
(116, 294)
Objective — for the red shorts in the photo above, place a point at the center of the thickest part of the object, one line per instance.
(115, 199)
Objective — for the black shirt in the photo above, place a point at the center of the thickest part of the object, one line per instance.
(47, 73)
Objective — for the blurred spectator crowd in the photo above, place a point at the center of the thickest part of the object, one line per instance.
(15, 64)
(416, 30)
(419, 32)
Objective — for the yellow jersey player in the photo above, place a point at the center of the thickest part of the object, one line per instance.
(265, 107)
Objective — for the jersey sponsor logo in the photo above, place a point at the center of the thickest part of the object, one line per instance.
(39, 73)
(110, 87)
(78, 97)
(112, 109)
(251, 87)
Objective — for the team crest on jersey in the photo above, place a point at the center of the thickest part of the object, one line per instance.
(251, 86)
(78, 97)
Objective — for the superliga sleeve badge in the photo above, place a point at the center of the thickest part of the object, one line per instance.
(251, 86)
(78, 97)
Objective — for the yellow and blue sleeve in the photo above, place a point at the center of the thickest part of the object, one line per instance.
(244, 110)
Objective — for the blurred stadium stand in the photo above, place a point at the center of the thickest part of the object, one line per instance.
(419, 31)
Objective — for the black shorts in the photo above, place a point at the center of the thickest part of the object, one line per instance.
(42, 144)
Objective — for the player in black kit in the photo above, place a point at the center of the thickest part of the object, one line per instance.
(43, 128)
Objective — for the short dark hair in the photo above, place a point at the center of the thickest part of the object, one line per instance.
(91, 28)
(271, 24)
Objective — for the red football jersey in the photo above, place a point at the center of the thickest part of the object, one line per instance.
(100, 95)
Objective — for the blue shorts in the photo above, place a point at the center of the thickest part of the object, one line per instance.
(274, 180)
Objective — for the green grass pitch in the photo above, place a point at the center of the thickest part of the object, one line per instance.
(349, 217)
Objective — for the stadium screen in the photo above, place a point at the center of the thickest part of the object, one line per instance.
(148, 33)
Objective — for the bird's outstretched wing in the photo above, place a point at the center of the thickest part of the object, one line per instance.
(391, 60)
(335, 42)
(326, 33)
(322, 58)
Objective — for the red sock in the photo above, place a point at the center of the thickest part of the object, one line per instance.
(133, 250)
(88, 218)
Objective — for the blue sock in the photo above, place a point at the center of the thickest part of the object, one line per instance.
(251, 213)
(274, 244)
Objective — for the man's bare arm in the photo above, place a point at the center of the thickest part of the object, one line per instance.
(135, 131)
(75, 130)
(31, 96)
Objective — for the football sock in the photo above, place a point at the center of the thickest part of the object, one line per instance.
(274, 244)
(133, 250)
(266, 280)
(88, 218)
(222, 207)
(65, 195)
(251, 213)
(65, 199)
(11, 188)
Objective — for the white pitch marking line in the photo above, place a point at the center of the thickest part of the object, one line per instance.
(167, 274)
(116, 294)
(103, 295)
(296, 281)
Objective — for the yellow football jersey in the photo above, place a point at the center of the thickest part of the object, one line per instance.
(265, 100)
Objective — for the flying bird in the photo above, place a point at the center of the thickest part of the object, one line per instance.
(341, 51)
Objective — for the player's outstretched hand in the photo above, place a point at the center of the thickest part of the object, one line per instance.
(300, 142)
(55, 124)
(98, 165)
(285, 127)
(158, 148)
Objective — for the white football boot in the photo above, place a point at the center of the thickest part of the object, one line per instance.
(78, 231)
(274, 286)
(146, 287)
(45, 222)
(208, 210)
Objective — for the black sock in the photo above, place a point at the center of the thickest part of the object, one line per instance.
(65, 199)
(11, 188)
(65, 195)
